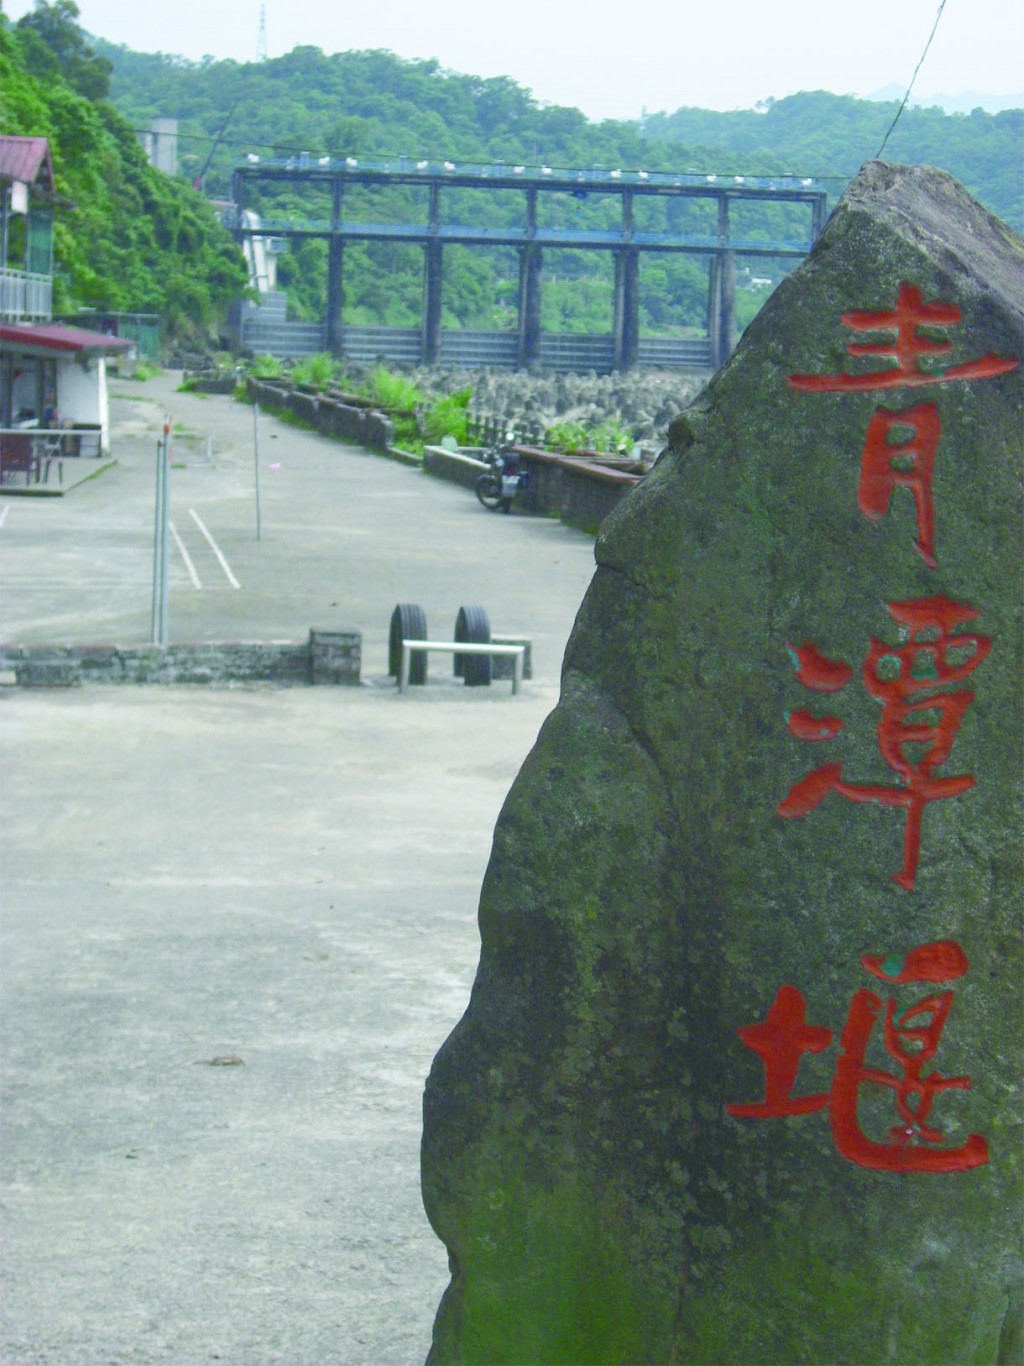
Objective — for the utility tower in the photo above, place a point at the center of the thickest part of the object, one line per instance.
(261, 40)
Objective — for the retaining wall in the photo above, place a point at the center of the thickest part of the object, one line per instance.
(358, 426)
(581, 491)
(211, 383)
(590, 491)
(458, 467)
(331, 658)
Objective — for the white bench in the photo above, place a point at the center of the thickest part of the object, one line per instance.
(461, 647)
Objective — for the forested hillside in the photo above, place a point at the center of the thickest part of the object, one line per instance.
(374, 104)
(126, 238)
(143, 241)
(833, 135)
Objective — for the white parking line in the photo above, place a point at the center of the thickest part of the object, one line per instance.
(215, 548)
(3, 513)
(185, 555)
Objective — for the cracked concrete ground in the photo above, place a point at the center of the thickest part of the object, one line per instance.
(238, 924)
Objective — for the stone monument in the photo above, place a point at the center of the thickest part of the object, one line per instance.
(740, 1078)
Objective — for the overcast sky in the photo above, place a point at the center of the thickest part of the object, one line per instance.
(611, 59)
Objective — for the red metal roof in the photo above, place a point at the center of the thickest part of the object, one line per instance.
(23, 158)
(52, 337)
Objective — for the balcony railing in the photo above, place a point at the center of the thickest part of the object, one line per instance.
(25, 297)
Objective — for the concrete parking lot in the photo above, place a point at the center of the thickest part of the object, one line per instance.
(345, 535)
(237, 924)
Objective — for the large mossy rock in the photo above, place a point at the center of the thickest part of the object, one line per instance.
(645, 900)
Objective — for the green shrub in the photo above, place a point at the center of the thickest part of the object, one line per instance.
(566, 436)
(408, 436)
(392, 391)
(266, 367)
(144, 369)
(448, 416)
(317, 371)
(610, 437)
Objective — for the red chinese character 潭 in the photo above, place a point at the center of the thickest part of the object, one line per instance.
(919, 721)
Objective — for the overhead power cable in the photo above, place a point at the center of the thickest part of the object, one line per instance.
(924, 54)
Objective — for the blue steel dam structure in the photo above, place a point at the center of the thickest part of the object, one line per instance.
(330, 182)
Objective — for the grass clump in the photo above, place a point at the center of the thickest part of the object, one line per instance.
(265, 367)
(609, 437)
(393, 391)
(143, 370)
(318, 372)
(567, 437)
(448, 416)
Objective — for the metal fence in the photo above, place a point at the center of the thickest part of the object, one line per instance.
(568, 351)
(480, 350)
(367, 344)
(25, 296)
(675, 353)
(471, 350)
(285, 340)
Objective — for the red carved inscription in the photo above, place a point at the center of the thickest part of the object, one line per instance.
(910, 1037)
(781, 1040)
(919, 720)
(907, 349)
(879, 475)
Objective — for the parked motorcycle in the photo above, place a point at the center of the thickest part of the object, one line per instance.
(503, 479)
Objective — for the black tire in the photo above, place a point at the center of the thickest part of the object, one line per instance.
(472, 627)
(408, 622)
(488, 490)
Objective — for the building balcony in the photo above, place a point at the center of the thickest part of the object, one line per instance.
(24, 296)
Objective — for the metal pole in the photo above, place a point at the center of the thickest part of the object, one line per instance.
(256, 466)
(160, 531)
(165, 465)
(154, 618)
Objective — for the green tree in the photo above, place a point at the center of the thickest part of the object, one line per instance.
(53, 41)
(126, 237)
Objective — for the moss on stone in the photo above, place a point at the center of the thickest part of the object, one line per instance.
(644, 900)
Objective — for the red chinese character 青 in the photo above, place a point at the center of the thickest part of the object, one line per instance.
(879, 475)
(919, 722)
(907, 349)
(887, 464)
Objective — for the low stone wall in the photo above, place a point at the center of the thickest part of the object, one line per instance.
(579, 490)
(356, 425)
(458, 467)
(305, 407)
(545, 490)
(331, 658)
(211, 384)
(590, 491)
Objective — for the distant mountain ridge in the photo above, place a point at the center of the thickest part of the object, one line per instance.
(963, 103)
(377, 104)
